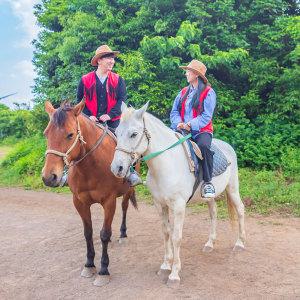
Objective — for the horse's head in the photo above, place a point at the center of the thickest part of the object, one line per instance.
(63, 140)
(132, 139)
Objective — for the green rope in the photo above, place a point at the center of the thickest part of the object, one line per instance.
(154, 154)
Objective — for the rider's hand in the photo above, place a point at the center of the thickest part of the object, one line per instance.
(104, 118)
(180, 125)
(187, 127)
(93, 118)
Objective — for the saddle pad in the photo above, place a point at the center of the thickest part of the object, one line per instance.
(220, 162)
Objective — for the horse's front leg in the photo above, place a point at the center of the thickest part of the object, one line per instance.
(179, 213)
(165, 268)
(85, 213)
(208, 247)
(105, 235)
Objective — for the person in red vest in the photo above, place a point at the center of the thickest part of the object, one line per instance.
(193, 111)
(104, 91)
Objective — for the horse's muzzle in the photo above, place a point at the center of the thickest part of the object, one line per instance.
(118, 170)
(51, 180)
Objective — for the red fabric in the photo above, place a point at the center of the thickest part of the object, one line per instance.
(90, 95)
(209, 126)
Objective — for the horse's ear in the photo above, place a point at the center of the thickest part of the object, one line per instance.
(49, 108)
(123, 107)
(77, 109)
(140, 112)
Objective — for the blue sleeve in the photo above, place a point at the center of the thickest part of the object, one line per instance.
(207, 114)
(175, 117)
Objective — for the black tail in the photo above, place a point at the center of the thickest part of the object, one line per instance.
(133, 199)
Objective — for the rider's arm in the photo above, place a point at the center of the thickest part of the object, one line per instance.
(80, 94)
(209, 105)
(121, 96)
(175, 117)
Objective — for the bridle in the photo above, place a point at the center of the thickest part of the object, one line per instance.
(79, 137)
(134, 156)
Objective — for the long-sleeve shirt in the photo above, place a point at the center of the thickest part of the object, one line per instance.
(200, 121)
(121, 95)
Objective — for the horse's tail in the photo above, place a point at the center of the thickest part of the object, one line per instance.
(132, 198)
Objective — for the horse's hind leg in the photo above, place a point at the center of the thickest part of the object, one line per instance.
(213, 224)
(233, 196)
(85, 214)
(105, 234)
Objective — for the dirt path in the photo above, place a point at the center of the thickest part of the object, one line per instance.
(43, 250)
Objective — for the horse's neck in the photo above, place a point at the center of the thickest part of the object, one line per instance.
(91, 133)
(161, 138)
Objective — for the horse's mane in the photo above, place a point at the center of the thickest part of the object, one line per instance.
(60, 115)
(130, 110)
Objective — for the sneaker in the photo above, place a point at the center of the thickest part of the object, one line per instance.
(134, 179)
(208, 190)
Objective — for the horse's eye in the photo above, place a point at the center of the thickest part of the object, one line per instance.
(133, 135)
(69, 136)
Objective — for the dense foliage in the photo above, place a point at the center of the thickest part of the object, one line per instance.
(251, 49)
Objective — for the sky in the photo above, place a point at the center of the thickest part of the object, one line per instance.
(17, 29)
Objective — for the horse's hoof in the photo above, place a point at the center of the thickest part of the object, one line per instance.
(163, 274)
(173, 283)
(238, 248)
(88, 272)
(207, 249)
(101, 280)
(123, 240)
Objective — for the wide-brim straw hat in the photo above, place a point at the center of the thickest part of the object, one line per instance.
(197, 67)
(102, 50)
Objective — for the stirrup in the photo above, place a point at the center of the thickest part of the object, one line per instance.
(134, 179)
(64, 179)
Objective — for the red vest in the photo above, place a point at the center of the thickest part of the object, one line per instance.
(209, 126)
(90, 95)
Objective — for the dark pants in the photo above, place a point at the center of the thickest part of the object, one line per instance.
(203, 140)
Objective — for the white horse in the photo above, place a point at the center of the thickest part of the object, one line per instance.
(170, 181)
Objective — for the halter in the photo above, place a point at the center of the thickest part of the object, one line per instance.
(134, 156)
(79, 137)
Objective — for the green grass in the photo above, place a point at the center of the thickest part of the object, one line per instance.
(263, 192)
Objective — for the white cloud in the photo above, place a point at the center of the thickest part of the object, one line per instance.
(25, 68)
(23, 9)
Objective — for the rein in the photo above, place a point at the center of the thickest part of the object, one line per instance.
(134, 155)
(79, 137)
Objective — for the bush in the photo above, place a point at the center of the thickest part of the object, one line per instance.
(24, 163)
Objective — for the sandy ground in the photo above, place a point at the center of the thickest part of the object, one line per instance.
(42, 252)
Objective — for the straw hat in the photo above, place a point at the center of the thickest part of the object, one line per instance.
(102, 50)
(198, 67)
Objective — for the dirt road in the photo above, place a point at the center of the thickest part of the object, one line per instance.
(42, 252)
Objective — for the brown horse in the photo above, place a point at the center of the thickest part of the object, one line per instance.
(73, 140)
